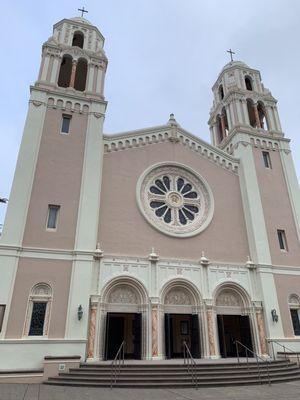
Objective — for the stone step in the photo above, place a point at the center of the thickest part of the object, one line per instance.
(143, 367)
(174, 375)
(141, 364)
(175, 384)
(136, 377)
(160, 375)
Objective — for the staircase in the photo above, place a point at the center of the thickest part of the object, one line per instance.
(162, 375)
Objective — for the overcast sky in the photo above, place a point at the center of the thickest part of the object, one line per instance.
(164, 56)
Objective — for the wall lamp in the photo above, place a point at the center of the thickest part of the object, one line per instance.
(79, 312)
(274, 315)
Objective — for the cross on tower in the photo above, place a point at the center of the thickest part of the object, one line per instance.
(231, 52)
(82, 10)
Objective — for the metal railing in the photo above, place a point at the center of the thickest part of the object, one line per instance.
(117, 363)
(258, 358)
(191, 364)
(272, 341)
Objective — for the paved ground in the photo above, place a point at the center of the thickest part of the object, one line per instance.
(283, 391)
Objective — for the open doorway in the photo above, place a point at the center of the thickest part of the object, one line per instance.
(230, 329)
(123, 326)
(180, 328)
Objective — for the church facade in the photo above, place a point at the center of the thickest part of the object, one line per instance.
(153, 236)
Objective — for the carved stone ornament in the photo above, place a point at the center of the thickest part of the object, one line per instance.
(97, 115)
(123, 294)
(37, 103)
(175, 199)
(41, 290)
(228, 298)
(294, 299)
(178, 296)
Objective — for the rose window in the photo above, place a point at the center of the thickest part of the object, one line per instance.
(175, 199)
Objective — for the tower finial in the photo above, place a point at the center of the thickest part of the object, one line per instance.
(231, 53)
(82, 10)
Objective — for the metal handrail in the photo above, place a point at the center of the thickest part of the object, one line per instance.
(117, 363)
(284, 348)
(237, 344)
(191, 364)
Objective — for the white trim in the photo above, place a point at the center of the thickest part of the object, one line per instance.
(87, 224)
(291, 182)
(16, 215)
(44, 340)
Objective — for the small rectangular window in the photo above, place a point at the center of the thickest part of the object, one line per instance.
(2, 311)
(37, 319)
(282, 239)
(65, 123)
(52, 216)
(267, 159)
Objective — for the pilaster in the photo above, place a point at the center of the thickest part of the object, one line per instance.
(291, 182)
(25, 169)
(88, 220)
(256, 230)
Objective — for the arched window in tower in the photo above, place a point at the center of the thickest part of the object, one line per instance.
(65, 71)
(78, 39)
(251, 113)
(248, 83)
(221, 92)
(81, 73)
(262, 116)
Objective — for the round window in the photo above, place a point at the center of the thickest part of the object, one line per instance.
(175, 199)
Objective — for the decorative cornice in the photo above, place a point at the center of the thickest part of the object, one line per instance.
(240, 94)
(67, 94)
(176, 135)
(85, 26)
(260, 136)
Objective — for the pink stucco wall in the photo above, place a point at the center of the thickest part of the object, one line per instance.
(124, 231)
(277, 209)
(57, 181)
(57, 274)
(285, 286)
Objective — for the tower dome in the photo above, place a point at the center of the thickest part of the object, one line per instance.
(81, 20)
(235, 64)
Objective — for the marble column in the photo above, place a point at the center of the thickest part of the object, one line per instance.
(257, 120)
(73, 73)
(223, 126)
(261, 332)
(211, 333)
(92, 330)
(154, 332)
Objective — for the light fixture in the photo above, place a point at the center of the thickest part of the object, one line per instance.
(274, 315)
(79, 312)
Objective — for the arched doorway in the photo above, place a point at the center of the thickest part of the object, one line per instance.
(233, 321)
(124, 320)
(182, 320)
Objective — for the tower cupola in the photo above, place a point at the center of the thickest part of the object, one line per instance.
(241, 102)
(73, 59)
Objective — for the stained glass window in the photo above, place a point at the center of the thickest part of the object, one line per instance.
(175, 200)
(37, 319)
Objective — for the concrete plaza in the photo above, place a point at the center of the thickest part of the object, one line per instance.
(282, 391)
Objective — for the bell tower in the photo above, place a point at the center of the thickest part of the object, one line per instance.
(244, 122)
(66, 111)
(55, 198)
(241, 103)
(73, 59)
